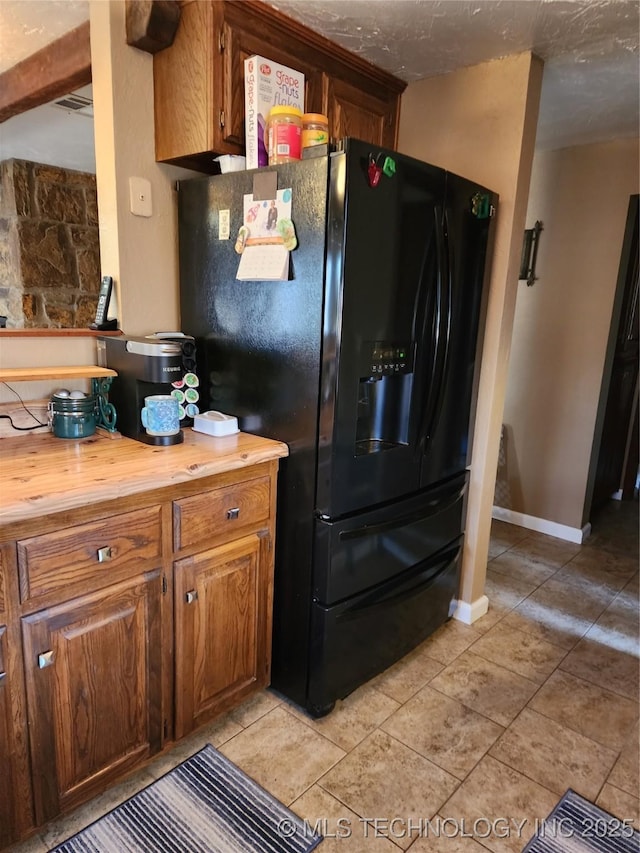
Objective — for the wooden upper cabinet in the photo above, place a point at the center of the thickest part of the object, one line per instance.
(183, 85)
(199, 81)
(365, 115)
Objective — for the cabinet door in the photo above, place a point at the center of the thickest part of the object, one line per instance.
(355, 112)
(7, 821)
(93, 676)
(244, 37)
(183, 76)
(222, 629)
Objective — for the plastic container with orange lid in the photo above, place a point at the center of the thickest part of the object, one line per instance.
(284, 134)
(315, 129)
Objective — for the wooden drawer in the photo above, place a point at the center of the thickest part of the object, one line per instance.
(198, 518)
(88, 552)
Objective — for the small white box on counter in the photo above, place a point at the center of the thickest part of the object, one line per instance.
(216, 423)
(266, 84)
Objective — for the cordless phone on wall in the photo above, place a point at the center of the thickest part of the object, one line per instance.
(104, 296)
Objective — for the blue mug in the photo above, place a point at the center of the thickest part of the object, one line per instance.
(160, 415)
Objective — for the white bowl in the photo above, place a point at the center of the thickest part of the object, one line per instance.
(231, 162)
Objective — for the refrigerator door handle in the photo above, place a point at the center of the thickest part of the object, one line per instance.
(373, 602)
(447, 319)
(441, 335)
(421, 301)
(437, 505)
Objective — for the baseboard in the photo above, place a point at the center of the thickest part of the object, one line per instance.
(470, 613)
(541, 525)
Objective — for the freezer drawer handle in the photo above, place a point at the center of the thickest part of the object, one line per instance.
(446, 560)
(432, 508)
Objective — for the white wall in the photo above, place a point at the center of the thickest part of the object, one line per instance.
(140, 253)
(561, 326)
(60, 351)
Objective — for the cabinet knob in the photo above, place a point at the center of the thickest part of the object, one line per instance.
(45, 659)
(191, 596)
(105, 554)
(233, 513)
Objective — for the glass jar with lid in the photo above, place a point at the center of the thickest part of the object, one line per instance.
(284, 134)
(315, 129)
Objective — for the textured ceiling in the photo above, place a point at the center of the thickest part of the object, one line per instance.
(414, 39)
(591, 83)
(590, 47)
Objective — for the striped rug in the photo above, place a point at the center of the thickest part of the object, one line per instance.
(204, 805)
(577, 826)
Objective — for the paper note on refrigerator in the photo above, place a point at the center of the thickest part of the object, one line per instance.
(264, 263)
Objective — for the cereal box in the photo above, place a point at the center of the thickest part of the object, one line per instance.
(266, 84)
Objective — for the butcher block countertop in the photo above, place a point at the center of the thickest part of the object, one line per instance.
(42, 474)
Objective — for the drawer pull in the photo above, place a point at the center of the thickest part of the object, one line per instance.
(233, 513)
(3, 675)
(105, 554)
(45, 659)
(191, 596)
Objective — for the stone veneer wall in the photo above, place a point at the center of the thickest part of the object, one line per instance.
(49, 246)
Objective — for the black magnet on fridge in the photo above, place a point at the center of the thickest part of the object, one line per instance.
(265, 186)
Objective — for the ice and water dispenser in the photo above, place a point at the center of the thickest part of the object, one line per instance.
(384, 396)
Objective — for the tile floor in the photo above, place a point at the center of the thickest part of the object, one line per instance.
(476, 734)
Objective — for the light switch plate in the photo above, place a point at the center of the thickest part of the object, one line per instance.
(140, 197)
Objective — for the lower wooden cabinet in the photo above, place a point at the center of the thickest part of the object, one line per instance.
(221, 601)
(93, 676)
(16, 810)
(7, 818)
(128, 625)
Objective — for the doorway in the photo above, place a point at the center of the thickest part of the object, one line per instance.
(617, 457)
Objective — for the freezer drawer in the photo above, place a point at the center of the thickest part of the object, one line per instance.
(355, 554)
(353, 641)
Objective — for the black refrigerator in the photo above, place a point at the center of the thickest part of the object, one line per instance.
(364, 362)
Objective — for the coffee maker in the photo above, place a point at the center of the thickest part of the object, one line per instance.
(161, 363)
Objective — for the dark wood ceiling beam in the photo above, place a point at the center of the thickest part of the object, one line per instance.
(56, 70)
